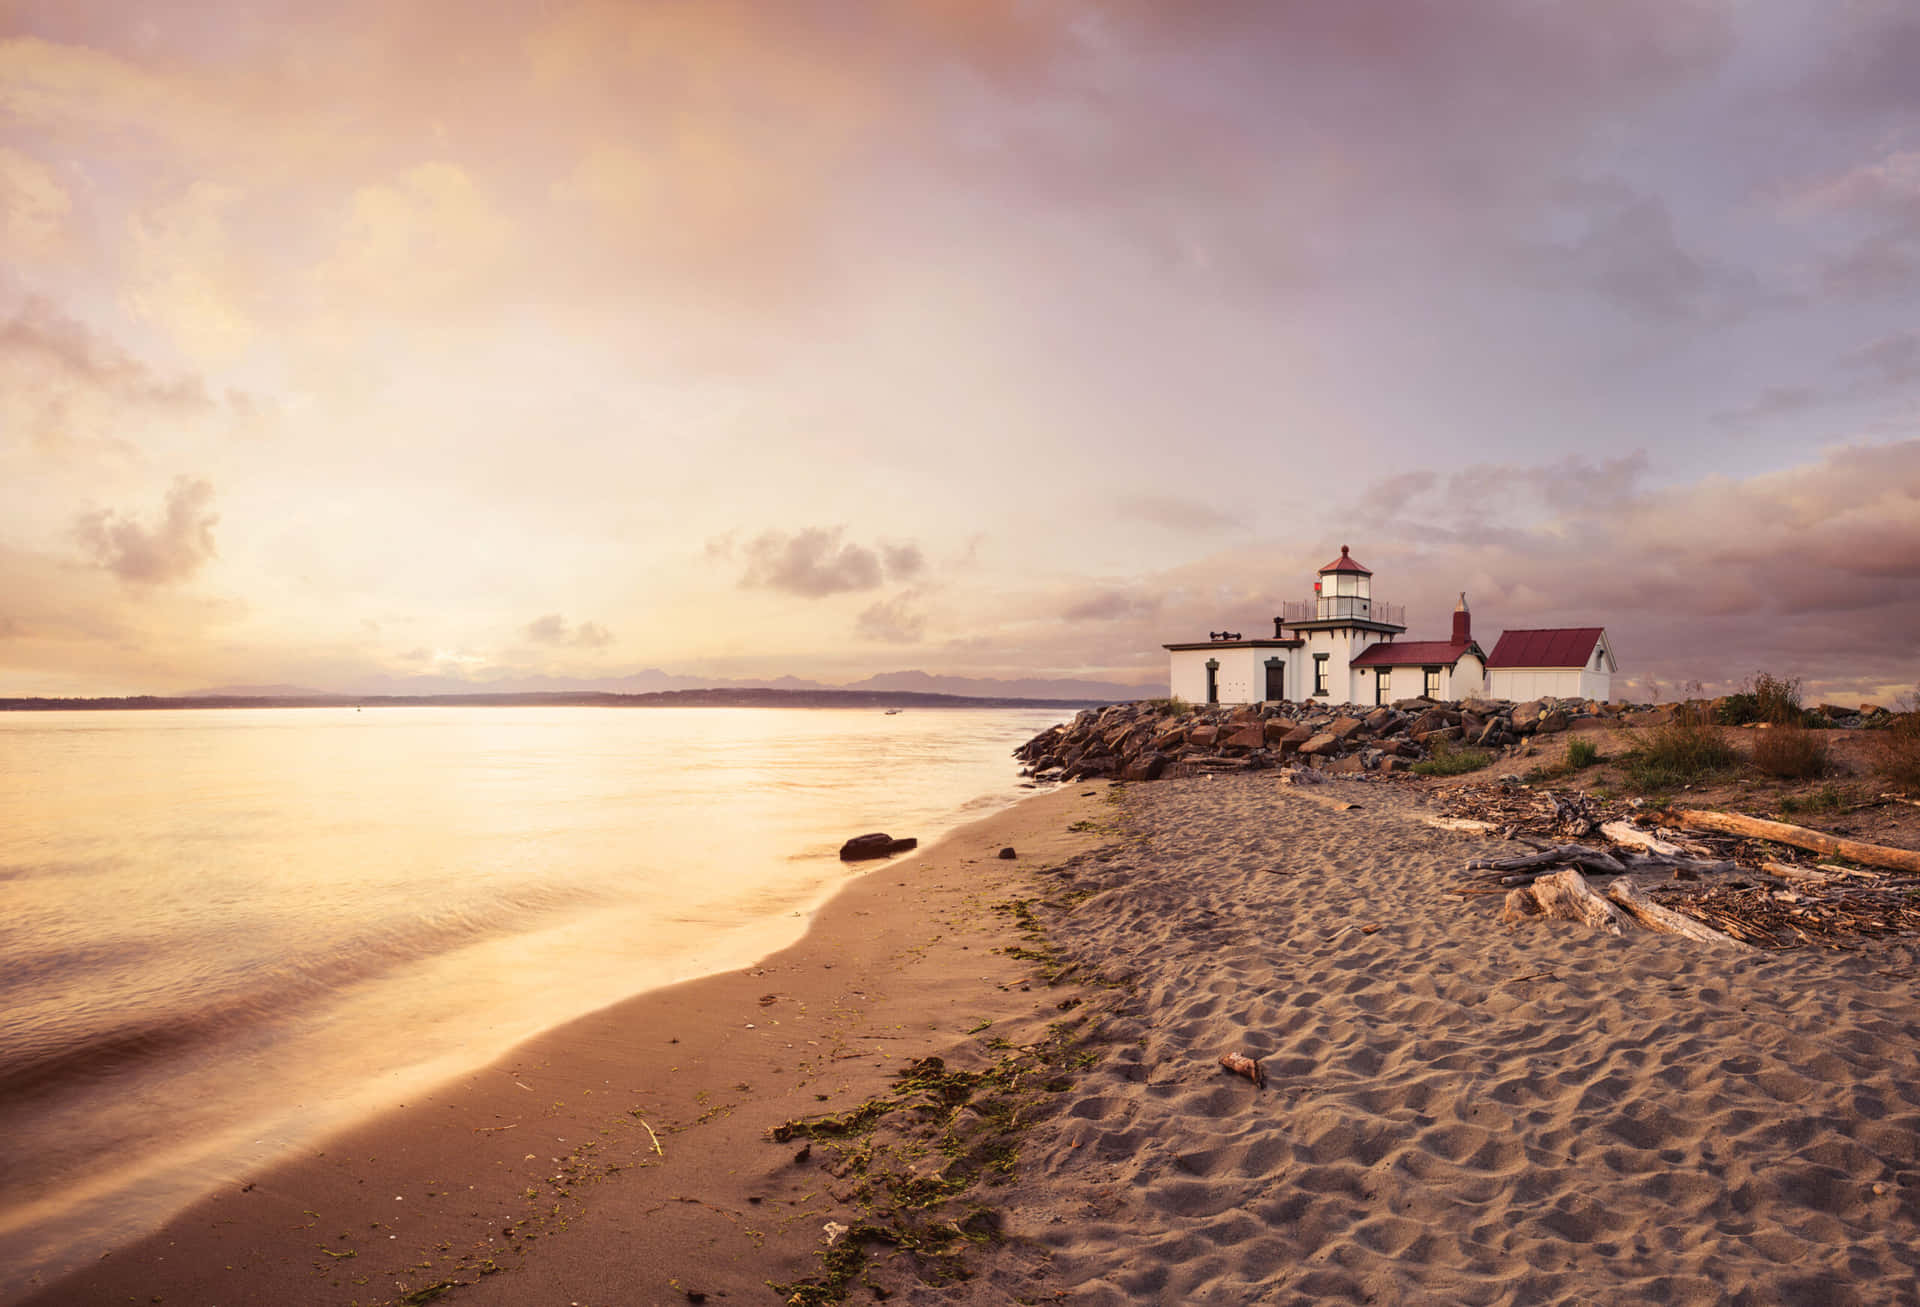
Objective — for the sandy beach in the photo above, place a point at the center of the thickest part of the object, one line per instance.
(1455, 1111)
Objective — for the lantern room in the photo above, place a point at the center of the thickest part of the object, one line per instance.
(1345, 589)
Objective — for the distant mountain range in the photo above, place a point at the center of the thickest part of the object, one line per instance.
(655, 681)
(723, 697)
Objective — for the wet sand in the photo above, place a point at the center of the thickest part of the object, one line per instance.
(1456, 1112)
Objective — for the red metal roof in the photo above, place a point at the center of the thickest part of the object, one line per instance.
(1410, 653)
(1345, 563)
(1566, 646)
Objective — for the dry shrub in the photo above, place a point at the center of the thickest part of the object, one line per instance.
(1683, 750)
(1764, 698)
(1898, 747)
(1791, 753)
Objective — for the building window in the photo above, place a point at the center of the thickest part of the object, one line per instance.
(1599, 656)
(1320, 675)
(1432, 686)
(1386, 684)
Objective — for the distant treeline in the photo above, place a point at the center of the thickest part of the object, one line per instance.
(589, 699)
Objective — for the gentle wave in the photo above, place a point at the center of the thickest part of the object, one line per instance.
(36, 1056)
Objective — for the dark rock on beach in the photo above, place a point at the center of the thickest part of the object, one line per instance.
(877, 845)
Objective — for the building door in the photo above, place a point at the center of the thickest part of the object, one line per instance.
(1276, 679)
(1213, 680)
(1381, 681)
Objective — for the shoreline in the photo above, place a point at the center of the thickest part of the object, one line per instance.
(615, 1106)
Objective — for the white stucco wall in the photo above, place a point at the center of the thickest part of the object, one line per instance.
(1187, 674)
(1242, 677)
(1467, 678)
(1523, 683)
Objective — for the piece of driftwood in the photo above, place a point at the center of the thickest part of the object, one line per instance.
(1579, 855)
(1854, 872)
(1566, 896)
(1519, 905)
(1779, 832)
(1798, 875)
(1242, 1065)
(1625, 832)
(1662, 920)
(1464, 825)
(1678, 863)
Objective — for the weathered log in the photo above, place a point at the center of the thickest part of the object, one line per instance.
(1520, 904)
(1799, 875)
(1756, 828)
(1678, 862)
(1663, 920)
(1464, 825)
(1565, 895)
(1579, 855)
(1854, 872)
(1625, 832)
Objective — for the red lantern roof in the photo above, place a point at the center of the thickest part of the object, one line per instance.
(1345, 563)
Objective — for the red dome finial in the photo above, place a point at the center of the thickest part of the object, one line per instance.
(1343, 551)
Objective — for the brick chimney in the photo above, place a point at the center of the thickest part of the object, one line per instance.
(1462, 621)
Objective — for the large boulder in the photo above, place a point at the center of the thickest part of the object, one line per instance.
(1203, 736)
(1552, 723)
(1528, 715)
(1296, 737)
(877, 845)
(1149, 766)
(1170, 736)
(1249, 736)
(1382, 718)
(1342, 728)
(1323, 743)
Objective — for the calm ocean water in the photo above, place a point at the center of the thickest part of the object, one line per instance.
(225, 933)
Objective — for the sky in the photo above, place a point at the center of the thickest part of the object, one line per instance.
(346, 342)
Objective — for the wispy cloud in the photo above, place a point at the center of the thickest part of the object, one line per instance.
(819, 561)
(553, 629)
(171, 550)
(893, 621)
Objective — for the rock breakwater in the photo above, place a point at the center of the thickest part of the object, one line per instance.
(1154, 738)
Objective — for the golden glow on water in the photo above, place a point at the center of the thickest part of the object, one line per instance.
(243, 928)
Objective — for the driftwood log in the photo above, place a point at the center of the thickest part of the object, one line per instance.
(1464, 825)
(1561, 855)
(1798, 875)
(1665, 921)
(1799, 837)
(1625, 832)
(1565, 896)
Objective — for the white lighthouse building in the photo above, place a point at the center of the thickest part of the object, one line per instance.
(1342, 646)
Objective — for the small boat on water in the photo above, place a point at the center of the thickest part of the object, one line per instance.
(893, 712)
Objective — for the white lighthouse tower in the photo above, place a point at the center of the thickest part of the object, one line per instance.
(1340, 621)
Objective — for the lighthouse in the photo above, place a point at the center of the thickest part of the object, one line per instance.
(1336, 625)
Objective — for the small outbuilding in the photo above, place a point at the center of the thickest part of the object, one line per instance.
(1569, 662)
